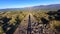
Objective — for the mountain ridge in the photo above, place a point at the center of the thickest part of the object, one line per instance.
(40, 7)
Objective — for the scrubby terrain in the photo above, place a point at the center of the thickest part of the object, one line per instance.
(50, 20)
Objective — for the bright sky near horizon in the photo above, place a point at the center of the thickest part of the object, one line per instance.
(25, 3)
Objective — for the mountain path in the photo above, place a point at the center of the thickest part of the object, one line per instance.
(29, 25)
(24, 24)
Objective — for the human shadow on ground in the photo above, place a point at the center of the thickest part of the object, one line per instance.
(29, 25)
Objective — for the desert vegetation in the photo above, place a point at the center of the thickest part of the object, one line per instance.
(50, 18)
(10, 20)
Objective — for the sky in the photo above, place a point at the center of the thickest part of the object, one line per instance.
(25, 3)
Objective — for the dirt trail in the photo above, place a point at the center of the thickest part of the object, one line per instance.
(22, 28)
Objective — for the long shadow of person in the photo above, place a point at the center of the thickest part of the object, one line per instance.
(29, 25)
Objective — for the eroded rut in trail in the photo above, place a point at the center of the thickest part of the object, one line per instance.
(29, 25)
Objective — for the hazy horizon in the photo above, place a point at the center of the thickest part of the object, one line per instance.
(4, 4)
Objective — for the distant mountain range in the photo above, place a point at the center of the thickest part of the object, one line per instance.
(52, 7)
